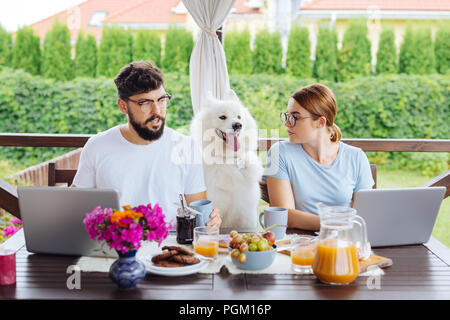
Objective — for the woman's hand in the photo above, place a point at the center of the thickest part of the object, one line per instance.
(216, 220)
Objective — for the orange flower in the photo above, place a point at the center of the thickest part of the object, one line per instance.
(119, 215)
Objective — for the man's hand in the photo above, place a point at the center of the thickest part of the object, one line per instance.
(216, 220)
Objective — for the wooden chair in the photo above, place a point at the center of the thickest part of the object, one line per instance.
(265, 192)
(60, 175)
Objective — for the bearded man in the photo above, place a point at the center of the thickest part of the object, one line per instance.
(142, 159)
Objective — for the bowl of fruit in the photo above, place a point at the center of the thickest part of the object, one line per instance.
(252, 251)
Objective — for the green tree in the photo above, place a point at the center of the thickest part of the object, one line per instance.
(177, 51)
(387, 52)
(354, 58)
(442, 48)
(5, 47)
(406, 51)
(27, 51)
(115, 51)
(424, 60)
(57, 58)
(417, 51)
(267, 53)
(147, 46)
(238, 52)
(85, 56)
(325, 63)
(298, 61)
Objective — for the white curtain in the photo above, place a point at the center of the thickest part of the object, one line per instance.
(208, 67)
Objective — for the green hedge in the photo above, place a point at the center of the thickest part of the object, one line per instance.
(85, 55)
(354, 58)
(442, 48)
(114, 52)
(298, 61)
(26, 52)
(177, 50)
(57, 57)
(238, 52)
(267, 53)
(147, 46)
(387, 52)
(391, 106)
(325, 64)
(417, 51)
(5, 47)
(119, 46)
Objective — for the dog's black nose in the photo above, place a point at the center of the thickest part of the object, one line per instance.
(236, 126)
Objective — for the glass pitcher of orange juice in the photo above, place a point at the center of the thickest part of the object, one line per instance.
(342, 243)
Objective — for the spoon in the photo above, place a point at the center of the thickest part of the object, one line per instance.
(182, 202)
(191, 210)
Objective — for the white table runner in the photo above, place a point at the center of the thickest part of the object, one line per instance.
(281, 265)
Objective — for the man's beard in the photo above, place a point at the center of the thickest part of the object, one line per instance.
(143, 131)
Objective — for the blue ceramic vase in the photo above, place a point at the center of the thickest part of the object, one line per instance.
(127, 271)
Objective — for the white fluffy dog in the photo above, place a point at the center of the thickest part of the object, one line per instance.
(227, 134)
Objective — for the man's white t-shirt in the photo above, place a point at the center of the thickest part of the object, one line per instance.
(143, 174)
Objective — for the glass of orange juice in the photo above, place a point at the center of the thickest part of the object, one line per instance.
(206, 241)
(302, 256)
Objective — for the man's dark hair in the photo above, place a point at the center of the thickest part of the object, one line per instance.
(138, 77)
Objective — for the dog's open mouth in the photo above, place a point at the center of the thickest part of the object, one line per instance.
(231, 139)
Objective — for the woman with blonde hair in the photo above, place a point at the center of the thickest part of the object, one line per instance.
(314, 165)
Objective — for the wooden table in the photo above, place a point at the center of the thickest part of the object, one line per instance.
(418, 272)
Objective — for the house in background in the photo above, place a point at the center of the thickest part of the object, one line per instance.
(276, 15)
(92, 15)
(377, 13)
(87, 16)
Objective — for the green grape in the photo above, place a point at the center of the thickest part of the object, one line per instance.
(263, 245)
(253, 247)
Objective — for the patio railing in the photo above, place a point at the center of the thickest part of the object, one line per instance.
(8, 193)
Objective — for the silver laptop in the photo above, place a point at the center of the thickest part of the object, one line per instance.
(53, 219)
(399, 216)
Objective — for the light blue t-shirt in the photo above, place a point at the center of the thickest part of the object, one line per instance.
(311, 182)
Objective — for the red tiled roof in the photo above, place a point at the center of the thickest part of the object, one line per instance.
(121, 11)
(145, 11)
(86, 9)
(241, 8)
(400, 5)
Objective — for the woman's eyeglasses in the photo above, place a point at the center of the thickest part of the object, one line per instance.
(291, 119)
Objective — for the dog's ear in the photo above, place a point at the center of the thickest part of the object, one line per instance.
(208, 100)
(251, 122)
(231, 95)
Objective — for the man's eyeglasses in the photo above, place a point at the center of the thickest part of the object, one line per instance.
(292, 120)
(147, 104)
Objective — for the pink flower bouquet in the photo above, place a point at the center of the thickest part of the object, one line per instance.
(124, 230)
(12, 228)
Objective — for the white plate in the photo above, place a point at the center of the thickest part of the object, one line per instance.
(174, 272)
